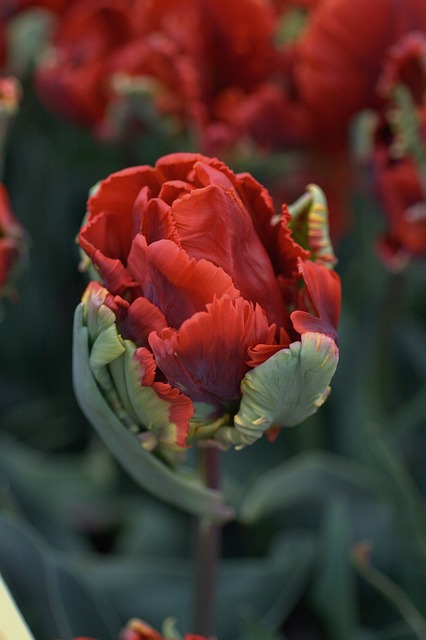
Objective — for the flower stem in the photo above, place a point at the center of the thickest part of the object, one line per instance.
(208, 534)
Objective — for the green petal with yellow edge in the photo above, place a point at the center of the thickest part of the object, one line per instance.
(151, 410)
(310, 227)
(107, 347)
(183, 490)
(285, 390)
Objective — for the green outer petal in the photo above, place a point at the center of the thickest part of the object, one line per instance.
(151, 410)
(107, 347)
(287, 388)
(186, 493)
(117, 372)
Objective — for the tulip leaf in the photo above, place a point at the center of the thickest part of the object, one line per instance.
(287, 388)
(309, 475)
(183, 491)
(267, 588)
(54, 599)
(333, 592)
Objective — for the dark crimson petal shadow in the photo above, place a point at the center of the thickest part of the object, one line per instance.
(142, 317)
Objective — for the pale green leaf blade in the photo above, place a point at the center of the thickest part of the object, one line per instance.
(183, 491)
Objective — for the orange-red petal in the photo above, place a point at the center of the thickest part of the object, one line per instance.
(323, 286)
(206, 358)
(176, 284)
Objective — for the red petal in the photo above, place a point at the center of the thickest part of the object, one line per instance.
(114, 276)
(206, 358)
(137, 262)
(262, 352)
(174, 189)
(176, 284)
(213, 223)
(119, 191)
(275, 235)
(157, 222)
(109, 234)
(149, 367)
(324, 289)
(178, 166)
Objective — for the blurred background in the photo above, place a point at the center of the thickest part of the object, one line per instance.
(330, 539)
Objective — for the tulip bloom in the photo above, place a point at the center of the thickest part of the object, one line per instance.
(401, 192)
(212, 322)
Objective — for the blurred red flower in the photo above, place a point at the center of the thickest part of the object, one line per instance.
(340, 57)
(182, 52)
(399, 158)
(402, 196)
(72, 78)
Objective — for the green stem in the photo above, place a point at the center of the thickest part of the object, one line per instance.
(208, 535)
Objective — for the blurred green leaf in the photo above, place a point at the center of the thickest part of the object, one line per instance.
(54, 600)
(54, 491)
(412, 337)
(155, 587)
(409, 513)
(312, 475)
(402, 489)
(333, 592)
(253, 629)
(410, 414)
